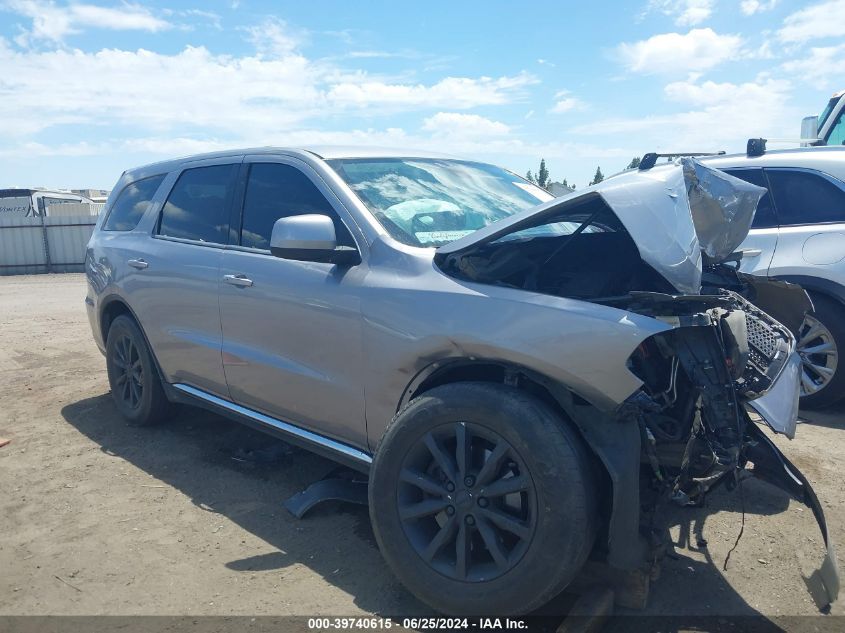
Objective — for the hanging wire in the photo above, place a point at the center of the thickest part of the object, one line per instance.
(742, 526)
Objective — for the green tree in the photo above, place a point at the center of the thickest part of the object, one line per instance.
(635, 162)
(543, 174)
(564, 183)
(598, 177)
(530, 177)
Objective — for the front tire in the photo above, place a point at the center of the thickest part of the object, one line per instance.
(482, 500)
(821, 344)
(133, 376)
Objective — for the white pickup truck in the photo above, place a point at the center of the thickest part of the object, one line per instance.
(829, 127)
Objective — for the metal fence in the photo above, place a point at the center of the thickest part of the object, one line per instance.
(52, 244)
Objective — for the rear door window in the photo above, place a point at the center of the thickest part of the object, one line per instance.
(805, 197)
(198, 206)
(131, 204)
(765, 217)
(276, 190)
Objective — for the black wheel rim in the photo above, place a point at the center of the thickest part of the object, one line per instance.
(466, 502)
(129, 374)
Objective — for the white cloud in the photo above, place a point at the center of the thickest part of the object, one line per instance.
(685, 12)
(464, 126)
(565, 102)
(213, 19)
(700, 49)
(825, 19)
(52, 22)
(750, 7)
(820, 66)
(720, 116)
(370, 55)
(273, 38)
(146, 90)
(454, 92)
(220, 95)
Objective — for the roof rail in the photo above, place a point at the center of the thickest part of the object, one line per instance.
(650, 160)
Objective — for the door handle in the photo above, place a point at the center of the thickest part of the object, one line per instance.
(240, 281)
(140, 264)
(750, 252)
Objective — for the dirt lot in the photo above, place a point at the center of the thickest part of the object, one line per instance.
(97, 517)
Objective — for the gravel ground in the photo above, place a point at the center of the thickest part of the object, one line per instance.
(98, 517)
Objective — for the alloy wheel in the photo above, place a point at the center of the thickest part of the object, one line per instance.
(129, 378)
(819, 356)
(466, 502)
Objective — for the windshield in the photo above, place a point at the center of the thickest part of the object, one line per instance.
(431, 202)
(836, 136)
(826, 113)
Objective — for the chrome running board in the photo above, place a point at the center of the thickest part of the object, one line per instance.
(308, 439)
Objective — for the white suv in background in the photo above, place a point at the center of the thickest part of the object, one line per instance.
(798, 235)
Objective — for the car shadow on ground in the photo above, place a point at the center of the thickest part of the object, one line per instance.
(832, 417)
(244, 475)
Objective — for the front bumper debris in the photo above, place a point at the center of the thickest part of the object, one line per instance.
(772, 466)
(779, 406)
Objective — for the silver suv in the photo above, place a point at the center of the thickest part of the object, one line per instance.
(798, 235)
(523, 378)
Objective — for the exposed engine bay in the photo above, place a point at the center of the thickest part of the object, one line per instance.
(727, 354)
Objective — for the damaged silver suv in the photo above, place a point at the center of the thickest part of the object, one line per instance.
(523, 378)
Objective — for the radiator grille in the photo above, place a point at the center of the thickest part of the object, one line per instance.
(761, 336)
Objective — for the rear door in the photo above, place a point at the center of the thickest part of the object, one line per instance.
(811, 211)
(759, 247)
(174, 283)
(292, 332)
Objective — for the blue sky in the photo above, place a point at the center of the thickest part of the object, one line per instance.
(90, 88)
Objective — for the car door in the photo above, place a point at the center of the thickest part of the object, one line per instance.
(292, 332)
(760, 245)
(173, 288)
(811, 211)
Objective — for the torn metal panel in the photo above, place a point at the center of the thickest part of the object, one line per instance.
(722, 208)
(671, 215)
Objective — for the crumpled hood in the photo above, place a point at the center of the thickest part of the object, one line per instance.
(673, 214)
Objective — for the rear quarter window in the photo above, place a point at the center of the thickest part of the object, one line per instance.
(131, 204)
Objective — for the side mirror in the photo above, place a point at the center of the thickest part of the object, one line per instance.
(809, 129)
(310, 238)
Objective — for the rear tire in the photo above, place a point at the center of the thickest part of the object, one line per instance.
(830, 314)
(133, 376)
(537, 478)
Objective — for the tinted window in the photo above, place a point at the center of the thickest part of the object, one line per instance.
(765, 216)
(198, 207)
(276, 191)
(806, 198)
(131, 204)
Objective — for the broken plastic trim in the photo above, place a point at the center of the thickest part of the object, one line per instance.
(772, 466)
